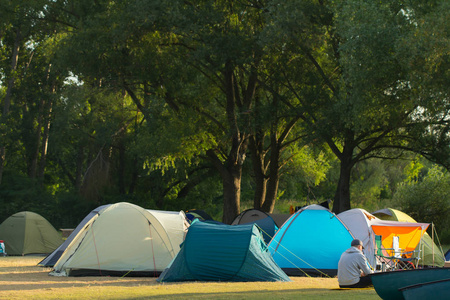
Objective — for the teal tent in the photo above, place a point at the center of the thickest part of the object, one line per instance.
(310, 242)
(213, 252)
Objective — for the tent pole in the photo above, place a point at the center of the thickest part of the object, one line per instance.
(432, 238)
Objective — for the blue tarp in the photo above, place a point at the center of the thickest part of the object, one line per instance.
(214, 252)
(310, 241)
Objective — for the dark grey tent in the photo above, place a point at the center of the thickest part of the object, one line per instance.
(264, 221)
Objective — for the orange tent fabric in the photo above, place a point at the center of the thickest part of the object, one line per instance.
(409, 236)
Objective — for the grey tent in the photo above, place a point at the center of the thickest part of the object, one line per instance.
(264, 221)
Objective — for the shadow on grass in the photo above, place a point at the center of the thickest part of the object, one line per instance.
(334, 294)
(41, 280)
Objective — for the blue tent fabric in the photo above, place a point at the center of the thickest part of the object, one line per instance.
(214, 252)
(310, 242)
(447, 255)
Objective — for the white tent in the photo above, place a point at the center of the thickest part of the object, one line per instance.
(53, 257)
(121, 239)
(364, 226)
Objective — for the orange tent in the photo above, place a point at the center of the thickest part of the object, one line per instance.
(408, 236)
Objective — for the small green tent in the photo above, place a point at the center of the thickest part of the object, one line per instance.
(430, 253)
(214, 252)
(29, 233)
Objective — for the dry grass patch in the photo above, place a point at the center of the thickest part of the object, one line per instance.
(21, 278)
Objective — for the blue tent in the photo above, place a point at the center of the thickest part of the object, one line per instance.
(311, 242)
(261, 219)
(214, 252)
(447, 255)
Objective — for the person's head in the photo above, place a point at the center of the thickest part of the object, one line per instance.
(357, 244)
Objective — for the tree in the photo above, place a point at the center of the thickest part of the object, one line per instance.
(149, 56)
(117, 52)
(425, 199)
(227, 42)
(31, 84)
(365, 101)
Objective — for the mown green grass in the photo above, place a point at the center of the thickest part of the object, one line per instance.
(21, 278)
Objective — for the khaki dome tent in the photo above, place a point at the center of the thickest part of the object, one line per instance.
(124, 239)
(430, 254)
(27, 232)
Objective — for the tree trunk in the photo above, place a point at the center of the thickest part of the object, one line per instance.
(231, 169)
(47, 112)
(79, 167)
(231, 194)
(134, 176)
(34, 151)
(45, 137)
(342, 197)
(7, 101)
(231, 175)
(259, 171)
(121, 167)
(274, 176)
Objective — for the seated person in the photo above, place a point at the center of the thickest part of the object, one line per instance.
(353, 267)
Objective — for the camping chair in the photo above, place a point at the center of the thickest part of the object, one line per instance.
(395, 258)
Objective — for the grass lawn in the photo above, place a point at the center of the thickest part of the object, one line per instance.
(20, 278)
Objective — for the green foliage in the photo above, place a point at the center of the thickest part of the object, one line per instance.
(150, 101)
(306, 170)
(374, 181)
(426, 200)
(70, 208)
(20, 193)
